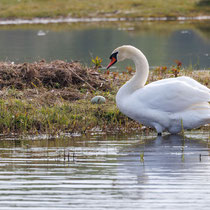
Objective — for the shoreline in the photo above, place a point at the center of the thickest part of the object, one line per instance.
(55, 98)
(20, 21)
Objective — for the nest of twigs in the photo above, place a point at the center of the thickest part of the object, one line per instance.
(55, 75)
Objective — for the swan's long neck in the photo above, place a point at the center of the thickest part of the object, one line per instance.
(139, 79)
(142, 71)
(136, 82)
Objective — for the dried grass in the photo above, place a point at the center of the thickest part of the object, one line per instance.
(55, 75)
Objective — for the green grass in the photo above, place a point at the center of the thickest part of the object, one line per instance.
(22, 116)
(98, 8)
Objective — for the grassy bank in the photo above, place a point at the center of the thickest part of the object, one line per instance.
(55, 97)
(97, 8)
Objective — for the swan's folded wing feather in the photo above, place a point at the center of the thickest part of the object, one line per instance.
(193, 83)
(171, 95)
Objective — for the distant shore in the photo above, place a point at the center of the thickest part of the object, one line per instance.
(20, 21)
(48, 11)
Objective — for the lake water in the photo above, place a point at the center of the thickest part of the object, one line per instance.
(106, 172)
(161, 42)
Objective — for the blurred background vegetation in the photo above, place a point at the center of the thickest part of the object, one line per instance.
(98, 8)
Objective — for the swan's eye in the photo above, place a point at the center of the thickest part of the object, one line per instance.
(113, 55)
(113, 58)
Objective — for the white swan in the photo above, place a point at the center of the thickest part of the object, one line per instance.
(169, 104)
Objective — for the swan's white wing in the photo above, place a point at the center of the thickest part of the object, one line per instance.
(171, 95)
(193, 83)
(185, 79)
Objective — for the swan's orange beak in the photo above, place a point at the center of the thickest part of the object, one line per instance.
(113, 61)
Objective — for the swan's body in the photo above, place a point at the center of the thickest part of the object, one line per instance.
(169, 104)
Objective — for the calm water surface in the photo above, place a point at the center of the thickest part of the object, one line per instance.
(162, 42)
(105, 172)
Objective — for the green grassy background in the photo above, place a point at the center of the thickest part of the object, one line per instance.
(99, 8)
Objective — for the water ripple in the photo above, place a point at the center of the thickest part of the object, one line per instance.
(167, 172)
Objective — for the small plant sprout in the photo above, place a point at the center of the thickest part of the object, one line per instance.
(157, 70)
(163, 69)
(142, 157)
(176, 70)
(178, 63)
(182, 128)
(97, 62)
(129, 69)
(107, 72)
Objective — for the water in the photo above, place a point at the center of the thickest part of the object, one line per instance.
(106, 172)
(161, 42)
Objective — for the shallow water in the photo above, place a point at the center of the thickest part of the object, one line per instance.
(161, 42)
(106, 172)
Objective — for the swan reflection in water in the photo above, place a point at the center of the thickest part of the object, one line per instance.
(167, 156)
(166, 173)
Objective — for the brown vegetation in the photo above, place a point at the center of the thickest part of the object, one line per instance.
(68, 78)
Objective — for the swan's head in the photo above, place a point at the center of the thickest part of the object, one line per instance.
(122, 53)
